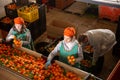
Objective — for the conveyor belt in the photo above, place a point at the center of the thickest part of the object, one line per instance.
(8, 74)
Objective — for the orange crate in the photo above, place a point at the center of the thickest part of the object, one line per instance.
(28, 15)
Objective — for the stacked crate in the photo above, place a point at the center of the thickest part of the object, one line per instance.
(29, 13)
(6, 22)
(36, 25)
(5, 25)
(11, 10)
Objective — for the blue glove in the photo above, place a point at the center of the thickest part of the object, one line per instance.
(47, 64)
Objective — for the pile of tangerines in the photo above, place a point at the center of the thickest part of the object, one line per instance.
(12, 6)
(89, 49)
(6, 20)
(17, 42)
(32, 67)
(86, 63)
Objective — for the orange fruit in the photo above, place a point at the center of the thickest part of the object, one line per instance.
(68, 57)
(72, 57)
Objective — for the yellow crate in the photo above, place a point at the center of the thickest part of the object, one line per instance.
(28, 16)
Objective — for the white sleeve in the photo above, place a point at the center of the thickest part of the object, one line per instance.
(10, 35)
(55, 51)
(96, 52)
(95, 41)
(80, 54)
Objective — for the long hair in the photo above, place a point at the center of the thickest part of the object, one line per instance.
(22, 30)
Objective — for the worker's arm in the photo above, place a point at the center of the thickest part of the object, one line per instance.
(52, 55)
(80, 54)
(10, 36)
(54, 52)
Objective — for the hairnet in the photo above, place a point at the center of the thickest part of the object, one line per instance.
(19, 20)
(69, 31)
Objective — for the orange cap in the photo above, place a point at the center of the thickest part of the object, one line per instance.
(69, 31)
(19, 20)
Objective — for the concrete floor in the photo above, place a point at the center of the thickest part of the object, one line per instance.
(85, 22)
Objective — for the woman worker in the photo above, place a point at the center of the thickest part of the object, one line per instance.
(67, 47)
(20, 32)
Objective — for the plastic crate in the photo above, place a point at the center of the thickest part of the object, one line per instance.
(28, 16)
(6, 23)
(117, 13)
(107, 12)
(11, 12)
(87, 60)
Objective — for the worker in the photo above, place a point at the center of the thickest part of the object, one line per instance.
(101, 40)
(20, 31)
(67, 47)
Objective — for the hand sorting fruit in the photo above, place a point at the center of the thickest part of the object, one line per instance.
(17, 42)
(71, 60)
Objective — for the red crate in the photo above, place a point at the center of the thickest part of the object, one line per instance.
(108, 12)
(117, 12)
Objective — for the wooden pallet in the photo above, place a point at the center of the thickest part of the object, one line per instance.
(78, 8)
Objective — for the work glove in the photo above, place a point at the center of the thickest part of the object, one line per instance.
(47, 64)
